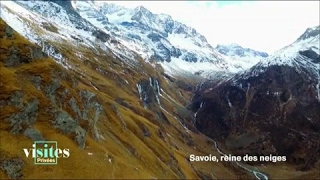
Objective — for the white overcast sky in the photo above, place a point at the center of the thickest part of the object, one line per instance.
(260, 25)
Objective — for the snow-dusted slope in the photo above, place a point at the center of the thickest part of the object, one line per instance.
(303, 55)
(43, 22)
(40, 12)
(31, 26)
(177, 47)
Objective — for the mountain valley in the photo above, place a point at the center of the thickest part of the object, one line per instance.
(133, 94)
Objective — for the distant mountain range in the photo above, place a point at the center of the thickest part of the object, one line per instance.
(235, 50)
(180, 49)
(242, 57)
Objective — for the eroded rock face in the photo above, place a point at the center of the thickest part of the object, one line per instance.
(65, 123)
(104, 37)
(12, 167)
(149, 95)
(25, 117)
(33, 134)
(26, 54)
(274, 113)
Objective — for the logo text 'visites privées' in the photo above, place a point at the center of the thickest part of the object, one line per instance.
(46, 152)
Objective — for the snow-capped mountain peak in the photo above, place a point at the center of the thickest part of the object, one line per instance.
(303, 55)
(158, 37)
(143, 10)
(309, 33)
(308, 41)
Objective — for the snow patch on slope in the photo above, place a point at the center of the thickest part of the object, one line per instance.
(16, 21)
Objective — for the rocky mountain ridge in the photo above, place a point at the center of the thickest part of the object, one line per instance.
(177, 47)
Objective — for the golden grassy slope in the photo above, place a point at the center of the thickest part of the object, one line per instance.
(132, 154)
